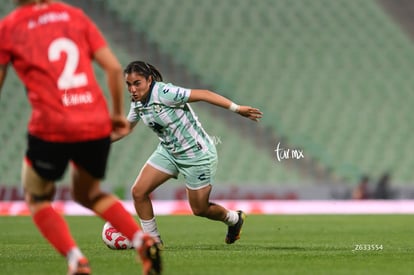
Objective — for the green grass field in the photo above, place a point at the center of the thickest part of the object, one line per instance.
(315, 244)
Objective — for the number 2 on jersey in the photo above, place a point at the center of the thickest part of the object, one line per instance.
(68, 78)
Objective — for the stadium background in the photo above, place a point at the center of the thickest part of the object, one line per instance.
(333, 78)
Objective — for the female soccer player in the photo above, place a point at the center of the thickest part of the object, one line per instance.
(51, 46)
(184, 148)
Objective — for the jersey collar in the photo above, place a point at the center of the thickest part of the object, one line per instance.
(147, 100)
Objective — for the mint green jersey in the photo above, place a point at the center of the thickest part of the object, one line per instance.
(168, 114)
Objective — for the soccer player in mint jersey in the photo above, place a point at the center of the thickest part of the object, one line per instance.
(51, 46)
(184, 145)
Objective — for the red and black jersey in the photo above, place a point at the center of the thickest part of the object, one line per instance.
(51, 47)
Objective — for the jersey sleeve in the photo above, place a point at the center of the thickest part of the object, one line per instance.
(5, 55)
(94, 36)
(171, 95)
(132, 114)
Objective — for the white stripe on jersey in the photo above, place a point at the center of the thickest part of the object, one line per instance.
(184, 143)
(194, 131)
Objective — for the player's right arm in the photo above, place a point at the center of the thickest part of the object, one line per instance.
(116, 137)
(133, 118)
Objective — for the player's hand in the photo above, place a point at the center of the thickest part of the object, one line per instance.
(120, 126)
(250, 112)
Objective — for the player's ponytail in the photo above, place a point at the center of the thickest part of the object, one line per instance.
(144, 69)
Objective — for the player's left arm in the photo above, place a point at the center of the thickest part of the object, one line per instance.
(3, 73)
(221, 101)
(113, 70)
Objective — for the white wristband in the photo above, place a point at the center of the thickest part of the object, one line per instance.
(234, 107)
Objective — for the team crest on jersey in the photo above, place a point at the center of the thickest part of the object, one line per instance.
(157, 108)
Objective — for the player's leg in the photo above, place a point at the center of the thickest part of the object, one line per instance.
(199, 177)
(45, 162)
(200, 204)
(158, 169)
(38, 195)
(199, 200)
(88, 193)
(147, 181)
(199, 174)
(89, 164)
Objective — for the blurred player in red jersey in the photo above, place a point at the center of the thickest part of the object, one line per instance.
(51, 46)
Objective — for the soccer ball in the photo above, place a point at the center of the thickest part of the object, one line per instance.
(114, 239)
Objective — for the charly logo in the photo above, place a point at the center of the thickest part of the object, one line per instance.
(285, 153)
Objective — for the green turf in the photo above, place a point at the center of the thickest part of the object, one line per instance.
(270, 245)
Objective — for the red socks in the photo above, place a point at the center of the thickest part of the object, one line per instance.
(121, 219)
(54, 228)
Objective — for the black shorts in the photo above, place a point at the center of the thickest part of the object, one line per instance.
(50, 159)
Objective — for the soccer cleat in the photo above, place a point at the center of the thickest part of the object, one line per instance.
(159, 242)
(82, 268)
(150, 254)
(233, 232)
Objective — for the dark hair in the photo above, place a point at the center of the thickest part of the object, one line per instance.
(144, 69)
